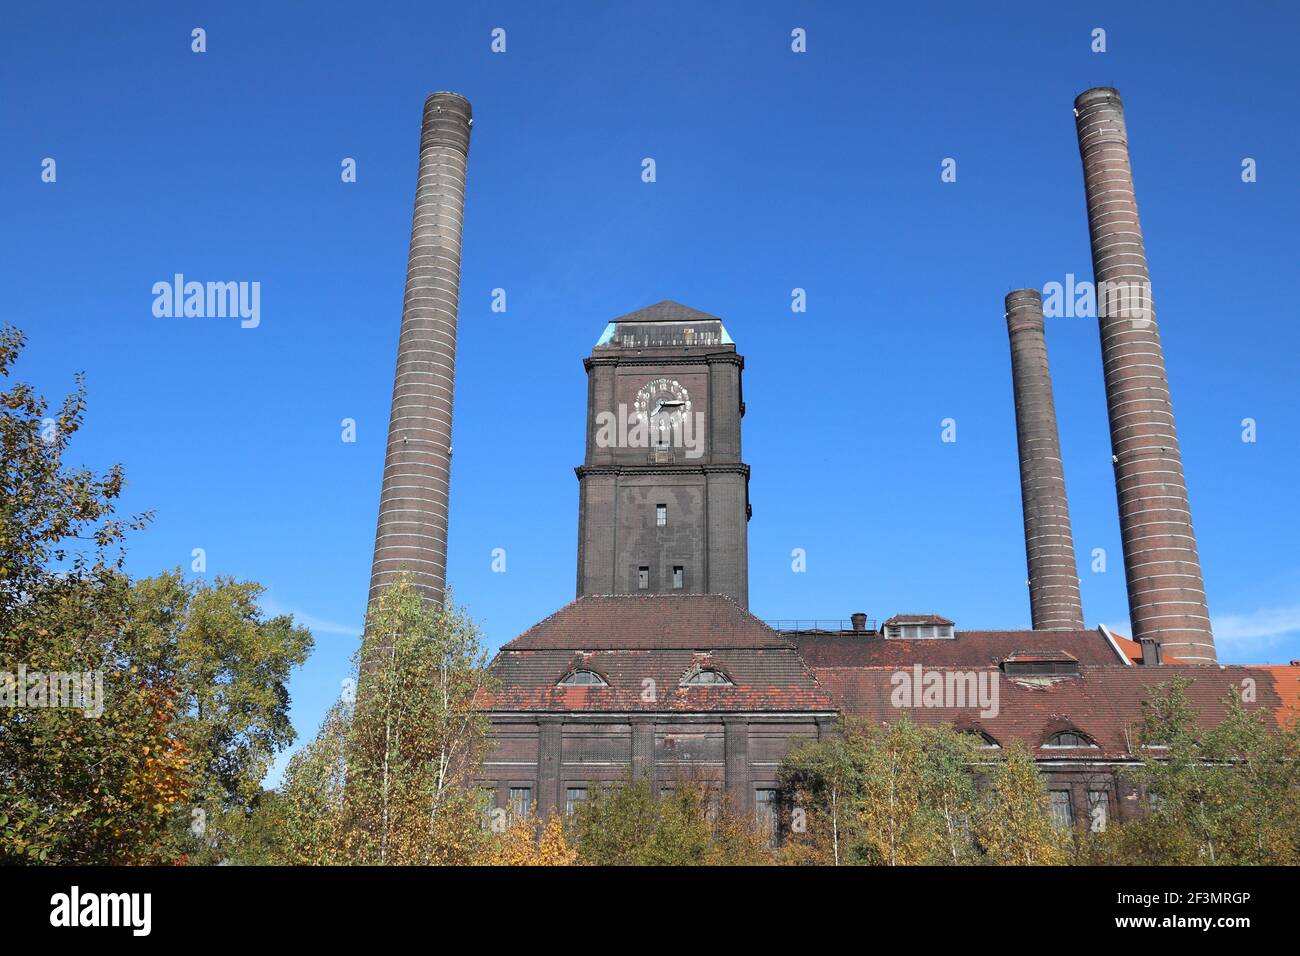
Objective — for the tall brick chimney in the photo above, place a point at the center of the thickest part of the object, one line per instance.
(412, 532)
(1049, 545)
(1166, 594)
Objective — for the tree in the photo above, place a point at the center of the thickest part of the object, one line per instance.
(1221, 795)
(949, 789)
(519, 844)
(896, 827)
(625, 824)
(73, 788)
(390, 778)
(615, 823)
(887, 795)
(118, 786)
(307, 819)
(51, 516)
(231, 668)
(824, 780)
(1013, 824)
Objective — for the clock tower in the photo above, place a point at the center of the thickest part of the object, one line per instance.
(663, 494)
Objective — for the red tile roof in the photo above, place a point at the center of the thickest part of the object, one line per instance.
(1133, 650)
(644, 646)
(1022, 656)
(1104, 702)
(965, 649)
(652, 621)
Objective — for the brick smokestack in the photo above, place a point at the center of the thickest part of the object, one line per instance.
(1049, 545)
(412, 531)
(1166, 594)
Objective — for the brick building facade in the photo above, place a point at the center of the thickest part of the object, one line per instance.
(663, 673)
(658, 667)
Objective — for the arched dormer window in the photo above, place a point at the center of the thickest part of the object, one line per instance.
(706, 677)
(1069, 739)
(982, 740)
(583, 679)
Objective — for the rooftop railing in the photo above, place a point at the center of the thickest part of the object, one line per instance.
(819, 624)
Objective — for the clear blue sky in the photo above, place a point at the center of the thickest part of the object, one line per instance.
(775, 171)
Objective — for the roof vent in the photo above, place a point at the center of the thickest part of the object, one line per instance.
(859, 619)
(1041, 664)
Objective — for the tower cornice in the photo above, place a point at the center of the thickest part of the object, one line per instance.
(733, 468)
(673, 358)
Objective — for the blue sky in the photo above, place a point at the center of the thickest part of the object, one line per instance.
(775, 170)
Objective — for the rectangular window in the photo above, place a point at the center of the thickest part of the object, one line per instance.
(521, 801)
(713, 805)
(643, 577)
(488, 801)
(765, 814)
(679, 577)
(661, 515)
(1098, 807)
(572, 797)
(1062, 808)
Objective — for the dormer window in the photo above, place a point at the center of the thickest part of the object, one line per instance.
(918, 627)
(982, 740)
(1041, 668)
(1041, 664)
(583, 679)
(1069, 739)
(706, 677)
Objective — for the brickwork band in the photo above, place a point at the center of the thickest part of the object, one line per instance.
(412, 529)
(1165, 588)
(1054, 602)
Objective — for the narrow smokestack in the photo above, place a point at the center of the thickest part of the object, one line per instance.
(1166, 594)
(1049, 545)
(412, 532)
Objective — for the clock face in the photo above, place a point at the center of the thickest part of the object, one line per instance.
(662, 404)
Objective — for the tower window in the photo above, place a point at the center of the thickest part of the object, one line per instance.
(679, 577)
(643, 577)
(661, 516)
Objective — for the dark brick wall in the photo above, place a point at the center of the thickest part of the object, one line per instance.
(737, 753)
(734, 752)
(707, 496)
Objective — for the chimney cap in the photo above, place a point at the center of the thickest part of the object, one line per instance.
(859, 619)
(1026, 293)
(441, 98)
(1098, 94)
(1151, 651)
